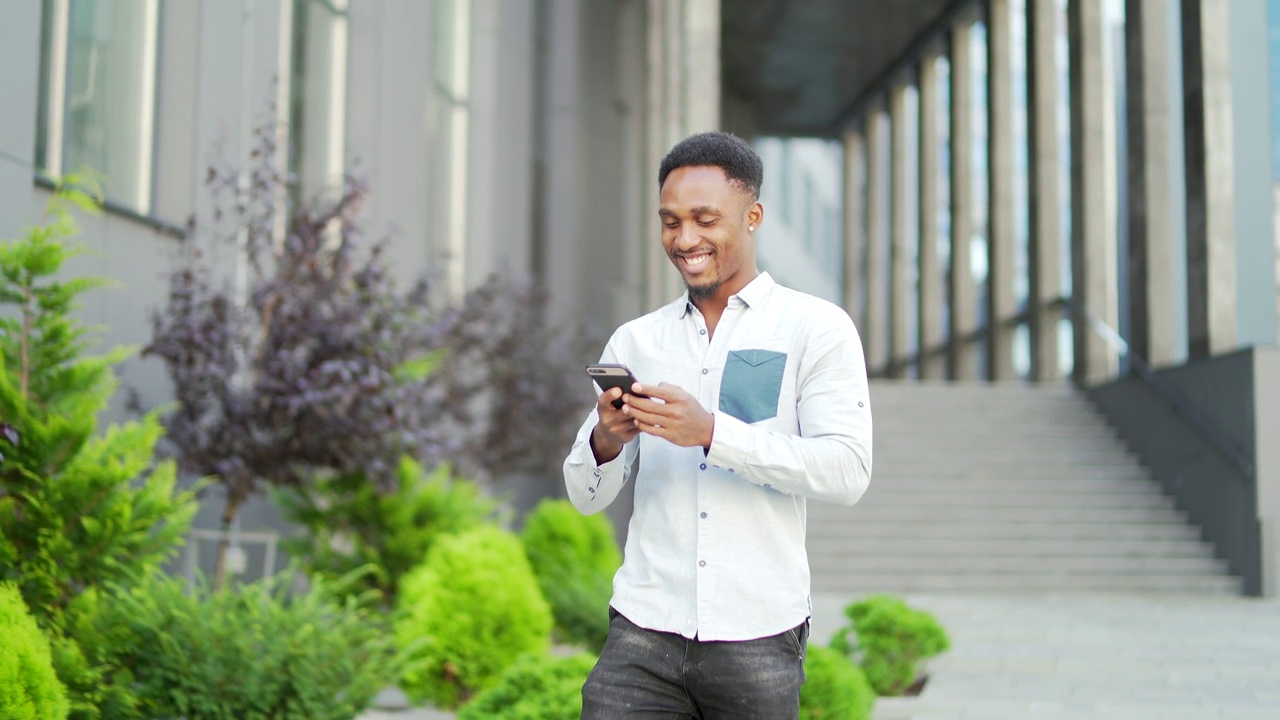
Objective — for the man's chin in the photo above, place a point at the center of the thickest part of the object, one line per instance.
(702, 291)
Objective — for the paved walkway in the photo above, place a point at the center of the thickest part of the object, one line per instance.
(1104, 657)
(1081, 657)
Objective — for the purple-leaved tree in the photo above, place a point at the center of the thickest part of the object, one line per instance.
(297, 356)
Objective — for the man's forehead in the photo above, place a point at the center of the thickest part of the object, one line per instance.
(701, 186)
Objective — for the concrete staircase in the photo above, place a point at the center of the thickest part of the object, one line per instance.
(1004, 488)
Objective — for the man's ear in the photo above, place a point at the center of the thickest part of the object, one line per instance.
(755, 216)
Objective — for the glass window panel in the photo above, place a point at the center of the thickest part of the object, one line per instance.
(978, 245)
(944, 186)
(911, 139)
(1066, 341)
(1021, 181)
(317, 97)
(109, 101)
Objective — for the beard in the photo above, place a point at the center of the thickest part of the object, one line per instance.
(703, 292)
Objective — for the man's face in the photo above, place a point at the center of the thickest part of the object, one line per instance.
(705, 230)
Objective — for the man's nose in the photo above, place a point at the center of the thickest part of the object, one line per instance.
(687, 238)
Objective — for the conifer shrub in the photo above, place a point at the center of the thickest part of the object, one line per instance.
(257, 651)
(29, 687)
(349, 523)
(536, 687)
(574, 557)
(890, 641)
(473, 607)
(79, 508)
(834, 688)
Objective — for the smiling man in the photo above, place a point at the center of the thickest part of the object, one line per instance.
(757, 400)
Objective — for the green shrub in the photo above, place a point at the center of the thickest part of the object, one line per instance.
(78, 508)
(250, 652)
(29, 688)
(834, 688)
(891, 640)
(475, 607)
(536, 687)
(351, 524)
(574, 557)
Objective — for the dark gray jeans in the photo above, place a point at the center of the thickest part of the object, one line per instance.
(648, 675)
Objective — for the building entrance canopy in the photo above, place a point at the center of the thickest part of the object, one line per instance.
(800, 66)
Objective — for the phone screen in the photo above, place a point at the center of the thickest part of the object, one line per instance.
(611, 375)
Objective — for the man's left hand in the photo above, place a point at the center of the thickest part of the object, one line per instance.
(679, 418)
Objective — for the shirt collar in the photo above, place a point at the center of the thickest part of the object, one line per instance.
(751, 295)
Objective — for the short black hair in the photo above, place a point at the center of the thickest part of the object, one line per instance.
(741, 165)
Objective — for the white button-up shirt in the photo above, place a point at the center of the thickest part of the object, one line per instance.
(715, 548)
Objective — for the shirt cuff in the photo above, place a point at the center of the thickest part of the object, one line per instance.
(732, 443)
(611, 471)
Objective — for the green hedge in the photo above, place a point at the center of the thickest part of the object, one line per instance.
(574, 557)
(536, 687)
(473, 608)
(252, 652)
(891, 640)
(834, 688)
(29, 688)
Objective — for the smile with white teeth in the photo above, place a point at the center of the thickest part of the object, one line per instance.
(695, 260)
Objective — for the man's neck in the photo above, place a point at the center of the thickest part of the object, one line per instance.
(713, 307)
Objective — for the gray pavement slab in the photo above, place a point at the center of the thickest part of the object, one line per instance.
(1088, 656)
(1073, 657)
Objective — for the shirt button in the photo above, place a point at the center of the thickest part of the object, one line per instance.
(705, 371)
(591, 490)
(703, 466)
(704, 516)
(702, 563)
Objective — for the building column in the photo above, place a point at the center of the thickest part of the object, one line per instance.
(682, 98)
(1044, 176)
(900, 226)
(1211, 256)
(855, 225)
(964, 312)
(1092, 197)
(930, 303)
(876, 334)
(1001, 303)
(1151, 206)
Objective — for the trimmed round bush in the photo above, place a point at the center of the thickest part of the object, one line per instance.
(536, 687)
(467, 613)
(834, 688)
(892, 639)
(574, 557)
(29, 689)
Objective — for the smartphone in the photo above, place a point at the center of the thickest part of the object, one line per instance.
(611, 375)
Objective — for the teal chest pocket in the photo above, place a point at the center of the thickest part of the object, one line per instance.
(751, 384)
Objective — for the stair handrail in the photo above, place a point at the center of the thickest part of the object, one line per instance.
(1207, 428)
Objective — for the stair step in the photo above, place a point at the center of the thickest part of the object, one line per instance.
(1031, 486)
(879, 527)
(1072, 456)
(1005, 487)
(885, 471)
(1022, 515)
(840, 549)
(862, 584)
(873, 563)
(896, 497)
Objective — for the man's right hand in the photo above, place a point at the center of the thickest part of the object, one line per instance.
(614, 429)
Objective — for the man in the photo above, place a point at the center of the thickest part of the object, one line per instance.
(757, 400)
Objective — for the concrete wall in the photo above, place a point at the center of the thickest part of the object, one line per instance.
(1255, 243)
(569, 115)
(1216, 495)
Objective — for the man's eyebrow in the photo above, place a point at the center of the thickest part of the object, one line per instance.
(700, 210)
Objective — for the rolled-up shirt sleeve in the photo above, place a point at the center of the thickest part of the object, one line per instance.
(593, 487)
(831, 457)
